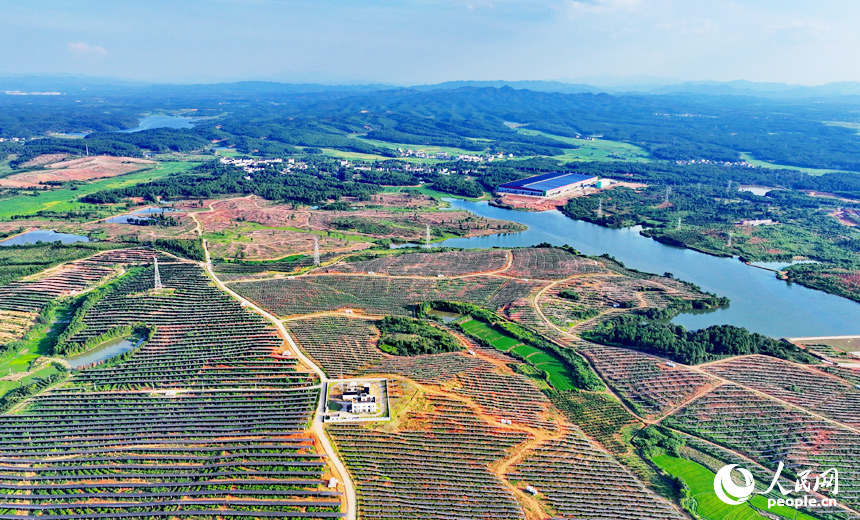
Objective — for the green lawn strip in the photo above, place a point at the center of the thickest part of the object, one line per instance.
(560, 376)
(432, 193)
(40, 344)
(525, 351)
(488, 333)
(765, 164)
(700, 480)
(66, 199)
(594, 149)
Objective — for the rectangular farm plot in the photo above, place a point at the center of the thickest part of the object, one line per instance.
(491, 334)
(560, 376)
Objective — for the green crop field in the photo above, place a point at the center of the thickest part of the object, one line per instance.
(526, 351)
(764, 164)
(560, 376)
(67, 199)
(594, 149)
(700, 480)
(432, 193)
(494, 336)
(450, 150)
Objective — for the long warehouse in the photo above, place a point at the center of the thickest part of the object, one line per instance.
(548, 184)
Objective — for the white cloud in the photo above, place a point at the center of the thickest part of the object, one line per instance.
(84, 49)
(589, 7)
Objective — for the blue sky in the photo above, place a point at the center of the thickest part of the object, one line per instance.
(428, 41)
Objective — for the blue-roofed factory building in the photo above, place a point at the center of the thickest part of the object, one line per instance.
(548, 184)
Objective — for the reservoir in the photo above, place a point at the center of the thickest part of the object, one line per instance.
(46, 235)
(759, 301)
(141, 214)
(105, 351)
(160, 121)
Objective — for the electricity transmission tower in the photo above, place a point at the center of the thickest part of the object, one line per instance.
(157, 285)
(316, 251)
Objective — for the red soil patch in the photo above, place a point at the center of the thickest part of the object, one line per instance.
(847, 217)
(42, 160)
(233, 214)
(542, 204)
(82, 169)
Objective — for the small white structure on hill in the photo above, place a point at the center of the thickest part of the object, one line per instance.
(360, 399)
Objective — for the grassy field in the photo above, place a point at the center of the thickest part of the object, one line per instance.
(764, 164)
(491, 334)
(238, 234)
(700, 480)
(67, 199)
(6, 386)
(432, 193)
(450, 150)
(560, 376)
(594, 149)
(844, 124)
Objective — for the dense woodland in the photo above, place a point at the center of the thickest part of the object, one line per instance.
(669, 127)
(403, 336)
(690, 347)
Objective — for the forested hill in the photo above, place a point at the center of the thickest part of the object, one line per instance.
(810, 133)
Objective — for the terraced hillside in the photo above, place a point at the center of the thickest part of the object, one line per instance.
(205, 420)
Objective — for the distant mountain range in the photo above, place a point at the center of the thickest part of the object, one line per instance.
(96, 86)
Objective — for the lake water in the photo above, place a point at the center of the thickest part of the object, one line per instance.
(156, 121)
(756, 190)
(104, 351)
(759, 301)
(123, 219)
(46, 235)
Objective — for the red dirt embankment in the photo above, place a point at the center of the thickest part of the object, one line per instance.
(81, 169)
(526, 202)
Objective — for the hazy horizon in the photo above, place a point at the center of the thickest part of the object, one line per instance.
(432, 41)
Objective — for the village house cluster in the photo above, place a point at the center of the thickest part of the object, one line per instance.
(741, 164)
(258, 165)
(421, 154)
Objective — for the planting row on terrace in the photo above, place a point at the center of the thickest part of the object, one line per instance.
(800, 385)
(372, 294)
(435, 466)
(650, 384)
(769, 431)
(212, 454)
(447, 263)
(201, 338)
(579, 480)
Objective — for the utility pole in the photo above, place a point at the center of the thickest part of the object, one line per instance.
(157, 285)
